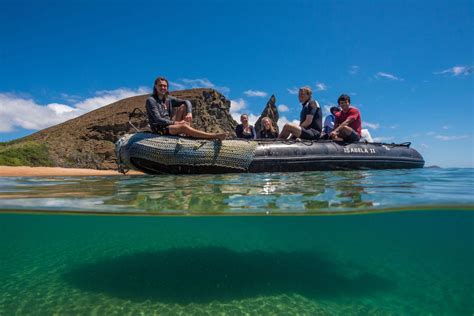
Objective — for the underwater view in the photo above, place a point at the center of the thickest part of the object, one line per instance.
(381, 242)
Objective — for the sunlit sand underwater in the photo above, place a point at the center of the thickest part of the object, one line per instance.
(411, 262)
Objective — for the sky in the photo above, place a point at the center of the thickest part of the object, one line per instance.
(407, 65)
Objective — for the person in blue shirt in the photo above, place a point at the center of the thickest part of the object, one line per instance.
(310, 118)
(168, 115)
(328, 125)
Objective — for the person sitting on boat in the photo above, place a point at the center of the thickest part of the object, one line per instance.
(268, 131)
(348, 123)
(245, 130)
(328, 125)
(310, 118)
(168, 115)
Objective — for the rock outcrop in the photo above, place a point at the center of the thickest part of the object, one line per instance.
(88, 141)
(271, 112)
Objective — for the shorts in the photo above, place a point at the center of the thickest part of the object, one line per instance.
(352, 138)
(161, 130)
(309, 133)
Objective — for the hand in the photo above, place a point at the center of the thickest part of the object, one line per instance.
(180, 122)
(189, 117)
(333, 134)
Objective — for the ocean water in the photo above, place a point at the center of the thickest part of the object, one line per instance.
(393, 242)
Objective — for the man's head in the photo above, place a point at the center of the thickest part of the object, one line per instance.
(334, 110)
(304, 94)
(160, 87)
(344, 102)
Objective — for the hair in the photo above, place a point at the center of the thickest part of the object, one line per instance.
(334, 109)
(266, 118)
(155, 93)
(307, 90)
(344, 97)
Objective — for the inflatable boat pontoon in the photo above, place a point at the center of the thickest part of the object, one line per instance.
(155, 154)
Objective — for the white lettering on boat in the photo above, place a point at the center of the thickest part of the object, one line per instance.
(359, 150)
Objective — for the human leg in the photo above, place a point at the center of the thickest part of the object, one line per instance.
(189, 131)
(352, 137)
(290, 129)
(178, 113)
(309, 133)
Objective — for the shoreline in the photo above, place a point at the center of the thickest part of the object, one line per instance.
(7, 171)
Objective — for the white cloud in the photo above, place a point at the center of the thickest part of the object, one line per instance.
(371, 125)
(177, 86)
(354, 70)
(449, 138)
(283, 120)
(293, 90)
(382, 139)
(236, 106)
(201, 83)
(321, 86)
(17, 111)
(387, 76)
(109, 96)
(255, 93)
(445, 127)
(456, 71)
(61, 108)
(283, 108)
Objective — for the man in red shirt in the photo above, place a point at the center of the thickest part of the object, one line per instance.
(348, 123)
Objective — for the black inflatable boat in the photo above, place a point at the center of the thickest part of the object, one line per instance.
(154, 154)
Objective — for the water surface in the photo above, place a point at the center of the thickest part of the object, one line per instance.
(403, 243)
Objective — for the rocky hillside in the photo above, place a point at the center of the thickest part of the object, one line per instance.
(88, 141)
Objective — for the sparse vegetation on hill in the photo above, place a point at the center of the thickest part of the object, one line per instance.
(26, 153)
(88, 141)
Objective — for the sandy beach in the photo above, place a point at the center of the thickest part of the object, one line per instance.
(6, 171)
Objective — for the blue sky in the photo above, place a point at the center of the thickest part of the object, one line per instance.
(408, 65)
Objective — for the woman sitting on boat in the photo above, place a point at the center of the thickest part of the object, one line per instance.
(168, 115)
(245, 130)
(268, 131)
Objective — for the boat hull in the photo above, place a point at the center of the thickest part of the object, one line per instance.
(274, 156)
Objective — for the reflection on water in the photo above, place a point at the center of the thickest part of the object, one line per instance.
(276, 193)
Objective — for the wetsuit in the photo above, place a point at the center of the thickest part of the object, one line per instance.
(159, 112)
(313, 131)
(239, 130)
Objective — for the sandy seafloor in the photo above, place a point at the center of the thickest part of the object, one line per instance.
(411, 263)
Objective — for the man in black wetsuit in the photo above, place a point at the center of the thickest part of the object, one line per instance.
(168, 115)
(311, 119)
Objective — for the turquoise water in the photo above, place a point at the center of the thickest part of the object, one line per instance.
(402, 243)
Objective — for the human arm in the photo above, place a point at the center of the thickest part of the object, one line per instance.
(238, 131)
